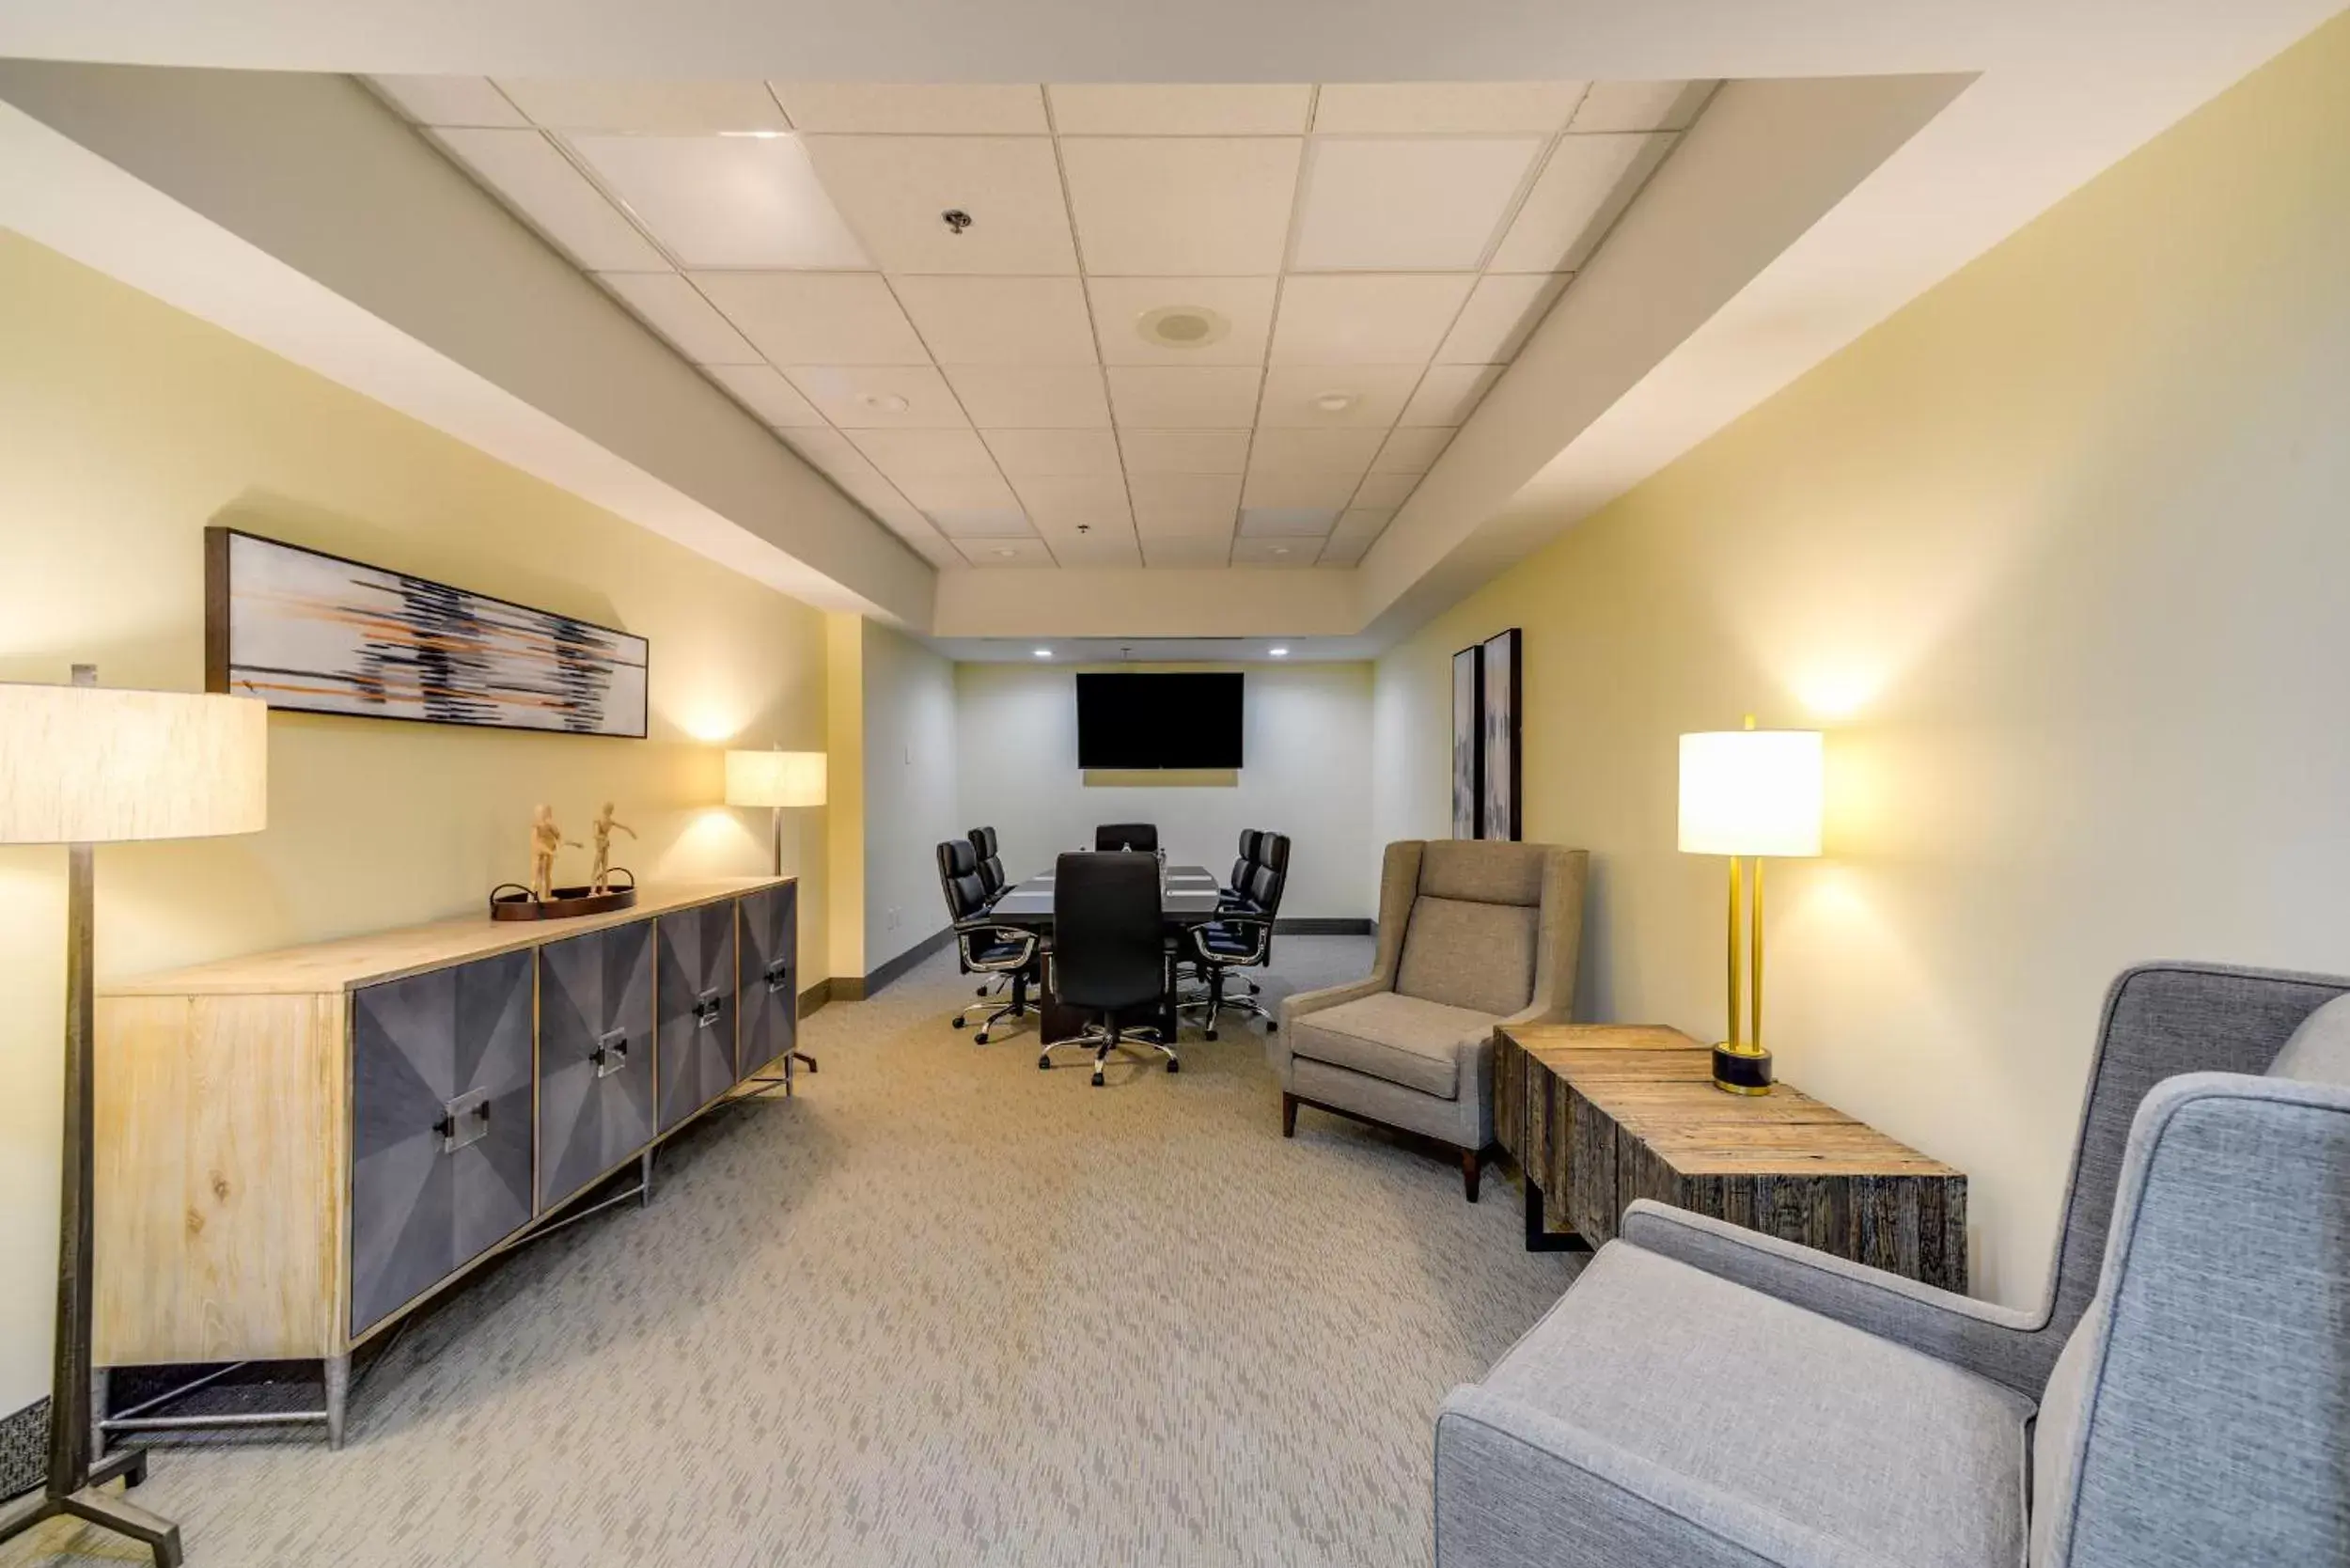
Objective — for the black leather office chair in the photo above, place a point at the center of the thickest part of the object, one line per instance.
(1241, 937)
(991, 864)
(1250, 840)
(1127, 836)
(981, 947)
(1110, 952)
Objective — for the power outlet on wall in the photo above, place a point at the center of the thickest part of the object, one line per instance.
(893, 918)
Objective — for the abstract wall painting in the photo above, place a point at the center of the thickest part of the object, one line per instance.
(316, 634)
(1498, 766)
(1469, 784)
(1485, 748)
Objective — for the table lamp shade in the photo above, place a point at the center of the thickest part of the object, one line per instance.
(774, 779)
(97, 764)
(1750, 791)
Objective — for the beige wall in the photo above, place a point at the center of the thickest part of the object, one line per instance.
(910, 782)
(2061, 557)
(126, 427)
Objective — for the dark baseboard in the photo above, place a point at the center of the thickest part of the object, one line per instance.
(24, 1448)
(817, 995)
(1306, 926)
(900, 966)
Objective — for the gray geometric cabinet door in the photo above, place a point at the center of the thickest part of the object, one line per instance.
(695, 1008)
(440, 1124)
(595, 1056)
(771, 970)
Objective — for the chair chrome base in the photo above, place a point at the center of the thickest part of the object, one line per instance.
(1104, 1041)
(1015, 1007)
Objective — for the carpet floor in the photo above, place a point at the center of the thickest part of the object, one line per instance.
(940, 1307)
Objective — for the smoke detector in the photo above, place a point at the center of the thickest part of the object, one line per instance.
(883, 403)
(1181, 326)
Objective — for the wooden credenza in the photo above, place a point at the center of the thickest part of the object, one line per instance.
(1599, 1115)
(295, 1148)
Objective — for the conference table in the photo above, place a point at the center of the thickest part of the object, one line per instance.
(1189, 896)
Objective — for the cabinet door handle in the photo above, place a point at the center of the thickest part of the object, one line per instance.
(779, 975)
(611, 1053)
(708, 1011)
(463, 1121)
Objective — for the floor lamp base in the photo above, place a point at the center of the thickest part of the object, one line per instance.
(106, 1510)
(1741, 1069)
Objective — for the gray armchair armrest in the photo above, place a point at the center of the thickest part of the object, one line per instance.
(1276, 1040)
(1519, 1488)
(2013, 1349)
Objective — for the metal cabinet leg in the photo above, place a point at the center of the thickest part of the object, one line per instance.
(100, 1384)
(644, 1178)
(338, 1397)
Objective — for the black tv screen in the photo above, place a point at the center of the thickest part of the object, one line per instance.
(1159, 721)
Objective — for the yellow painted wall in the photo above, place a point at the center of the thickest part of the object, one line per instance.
(125, 428)
(2061, 557)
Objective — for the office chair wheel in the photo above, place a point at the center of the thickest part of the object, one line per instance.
(1044, 1063)
(982, 991)
(1174, 1066)
(1210, 1034)
(1097, 1079)
(979, 1039)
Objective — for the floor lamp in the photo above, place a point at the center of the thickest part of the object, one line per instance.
(780, 780)
(82, 765)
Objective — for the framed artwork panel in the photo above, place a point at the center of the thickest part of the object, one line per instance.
(1468, 737)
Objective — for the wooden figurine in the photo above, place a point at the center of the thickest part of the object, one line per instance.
(600, 881)
(546, 839)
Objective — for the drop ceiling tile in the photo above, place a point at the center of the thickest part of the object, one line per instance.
(1183, 550)
(1026, 454)
(1097, 548)
(1183, 503)
(666, 108)
(1194, 397)
(1163, 109)
(1402, 204)
(1032, 397)
(1385, 490)
(1406, 107)
(1276, 552)
(1362, 523)
(1184, 451)
(1287, 490)
(1068, 501)
(963, 497)
(523, 168)
(999, 320)
(1287, 522)
(449, 100)
(1167, 206)
(893, 189)
(1318, 451)
(935, 108)
(1245, 305)
(1371, 318)
(676, 309)
(816, 318)
(1641, 106)
(1585, 186)
(726, 201)
(762, 389)
(1374, 394)
(1501, 310)
(1411, 451)
(1343, 552)
(982, 523)
(879, 397)
(1006, 552)
(921, 454)
(1449, 394)
(849, 468)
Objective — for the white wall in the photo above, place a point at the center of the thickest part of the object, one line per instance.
(2058, 557)
(910, 750)
(1306, 738)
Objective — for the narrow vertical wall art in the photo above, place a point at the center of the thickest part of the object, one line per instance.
(1469, 784)
(1497, 763)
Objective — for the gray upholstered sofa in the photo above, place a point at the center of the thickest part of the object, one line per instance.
(1703, 1396)
(1470, 935)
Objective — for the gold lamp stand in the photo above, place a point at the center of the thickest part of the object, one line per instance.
(1741, 1064)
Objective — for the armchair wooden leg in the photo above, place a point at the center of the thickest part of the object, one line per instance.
(1288, 1116)
(1471, 1166)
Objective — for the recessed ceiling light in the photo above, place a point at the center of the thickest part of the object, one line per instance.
(1281, 549)
(1043, 652)
(757, 136)
(884, 402)
(1334, 402)
(1278, 653)
(1006, 554)
(1181, 326)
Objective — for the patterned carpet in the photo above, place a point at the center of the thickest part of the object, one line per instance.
(943, 1309)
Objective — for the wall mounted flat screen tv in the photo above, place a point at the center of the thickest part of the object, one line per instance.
(1159, 721)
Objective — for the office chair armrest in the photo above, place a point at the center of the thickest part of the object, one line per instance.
(1028, 940)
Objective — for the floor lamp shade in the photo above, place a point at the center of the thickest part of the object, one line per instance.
(94, 764)
(776, 779)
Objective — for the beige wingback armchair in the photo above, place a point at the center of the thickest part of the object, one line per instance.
(1471, 934)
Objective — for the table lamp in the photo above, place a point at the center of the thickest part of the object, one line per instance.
(82, 765)
(775, 779)
(1749, 792)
